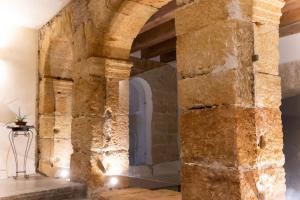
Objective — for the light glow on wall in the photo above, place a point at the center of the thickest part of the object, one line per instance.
(65, 173)
(3, 72)
(114, 166)
(6, 34)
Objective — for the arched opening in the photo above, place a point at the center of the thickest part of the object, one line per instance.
(140, 118)
(226, 110)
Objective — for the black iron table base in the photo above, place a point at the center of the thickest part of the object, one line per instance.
(16, 131)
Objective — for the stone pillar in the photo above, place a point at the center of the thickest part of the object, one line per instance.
(100, 122)
(229, 96)
(116, 129)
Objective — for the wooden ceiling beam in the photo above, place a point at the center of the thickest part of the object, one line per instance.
(159, 49)
(163, 15)
(168, 57)
(154, 36)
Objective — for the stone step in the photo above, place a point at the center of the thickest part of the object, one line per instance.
(41, 189)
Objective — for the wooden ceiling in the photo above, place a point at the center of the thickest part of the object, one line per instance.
(290, 20)
(158, 37)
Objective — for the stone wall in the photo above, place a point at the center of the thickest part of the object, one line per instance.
(55, 108)
(73, 48)
(229, 93)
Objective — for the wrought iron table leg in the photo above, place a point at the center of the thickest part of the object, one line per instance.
(29, 135)
(12, 143)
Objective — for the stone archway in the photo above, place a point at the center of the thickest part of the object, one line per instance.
(229, 94)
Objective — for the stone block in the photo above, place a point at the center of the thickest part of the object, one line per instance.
(46, 126)
(62, 153)
(62, 128)
(231, 42)
(45, 149)
(87, 134)
(63, 91)
(214, 183)
(46, 96)
(89, 97)
(59, 59)
(269, 137)
(219, 183)
(267, 91)
(116, 133)
(265, 183)
(116, 162)
(46, 168)
(232, 136)
(206, 12)
(267, 11)
(123, 97)
(84, 169)
(266, 42)
(223, 88)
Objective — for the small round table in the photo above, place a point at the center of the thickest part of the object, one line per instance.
(14, 132)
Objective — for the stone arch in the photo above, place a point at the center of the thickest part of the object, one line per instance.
(225, 103)
(125, 25)
(229, 93)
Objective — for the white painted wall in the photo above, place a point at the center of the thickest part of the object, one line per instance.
(289, 47)
(18, 88)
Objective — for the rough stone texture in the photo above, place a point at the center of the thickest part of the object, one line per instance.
(232, 137)
(229, 30)
(69, 45)
(228, 87)
(212, 12)
(55, 121)
(229, 95)
(267, 91)
(217, 44)
(229, 183)
(266, 40)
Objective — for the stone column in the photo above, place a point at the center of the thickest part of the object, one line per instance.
(229, 96)
(100, 120)
(116, 128)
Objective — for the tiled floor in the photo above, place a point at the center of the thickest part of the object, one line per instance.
(38, 186)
